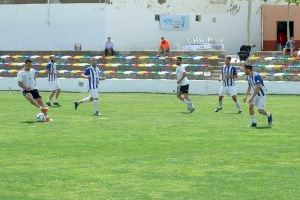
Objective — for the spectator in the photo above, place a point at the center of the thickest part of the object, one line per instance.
(289, 47)
(297, 54)
(164, 47)
(109, 47)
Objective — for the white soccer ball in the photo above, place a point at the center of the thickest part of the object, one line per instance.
(40, 117)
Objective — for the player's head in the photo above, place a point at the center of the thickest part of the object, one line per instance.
(94, 61)
(28, 64)
(227, 60)
(179, 61)
(162, 39)
(52, 58)
(109, 38)
(248, 69)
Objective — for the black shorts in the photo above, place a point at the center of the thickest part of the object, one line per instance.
(35, 93)
(183, 89)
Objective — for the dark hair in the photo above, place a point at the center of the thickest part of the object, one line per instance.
(248, 66)
(28, 61)
(179, 58)
(228, 57)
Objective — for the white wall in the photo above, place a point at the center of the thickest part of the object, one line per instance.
(130, 23)
(152, 86)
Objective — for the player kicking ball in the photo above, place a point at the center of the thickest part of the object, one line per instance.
(93, 74)
(183, 85)
(256, 89)
(26, 81)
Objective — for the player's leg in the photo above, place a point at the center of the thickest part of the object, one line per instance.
(237, 103)
(57, 93)
(220, 98)
(252, 115)
(30, 98)
(261, 110)
(179, 94)
(36, 96)
(50, 98)
(84, 100)
(95, 98)
(189, 102)
(184, 91)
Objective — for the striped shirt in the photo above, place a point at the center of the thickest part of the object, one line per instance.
(228, 71)
(254, 80)
(94, 73)
(52, 72)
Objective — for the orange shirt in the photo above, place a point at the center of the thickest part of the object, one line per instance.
(164, 44)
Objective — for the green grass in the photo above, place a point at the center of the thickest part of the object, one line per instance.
(146, 147)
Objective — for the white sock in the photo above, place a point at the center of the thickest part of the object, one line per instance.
(187, 102)
(48, 100)
(85, 100)
(55, 100)
(253, 119)
(238, 105)
(96, 103)
(268, 114)
(221, 104)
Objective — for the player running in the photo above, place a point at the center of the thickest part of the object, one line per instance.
(53, 82)
(93, 74)
(26, 81)
(257, 90)
(228, 77)
(183, 85)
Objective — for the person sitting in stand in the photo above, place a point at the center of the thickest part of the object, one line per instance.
(109, 47)
(164, 47)
(289, 47)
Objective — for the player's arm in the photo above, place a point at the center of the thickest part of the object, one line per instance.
(221, 77)
(183, 76)
(256, 90)
(21, 85)
(86, 74)
(247, 94)
(48, 68)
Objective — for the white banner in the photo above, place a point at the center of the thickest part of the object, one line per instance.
(174, 22)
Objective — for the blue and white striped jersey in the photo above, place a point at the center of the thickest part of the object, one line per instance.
(94, 73)
(254, 80)
(228, 71)
(52, 73)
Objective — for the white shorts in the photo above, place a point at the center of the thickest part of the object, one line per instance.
(228, 90)
(54, 85)
(94, 93)
(259, 102)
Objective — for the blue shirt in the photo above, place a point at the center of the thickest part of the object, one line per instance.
(228, 71)
(94, 74)
(254, 80)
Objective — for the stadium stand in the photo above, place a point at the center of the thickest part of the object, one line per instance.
(147, 65)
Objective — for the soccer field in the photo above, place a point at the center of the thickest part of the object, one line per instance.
(147, 147)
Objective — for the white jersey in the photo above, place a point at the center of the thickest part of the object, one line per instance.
(179, 73)
(27, 78)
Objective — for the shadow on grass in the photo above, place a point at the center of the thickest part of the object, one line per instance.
(232, 113)
(264, 127)
(185, 113)
(29, 122)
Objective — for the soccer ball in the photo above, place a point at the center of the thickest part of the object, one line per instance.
(40, 117)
